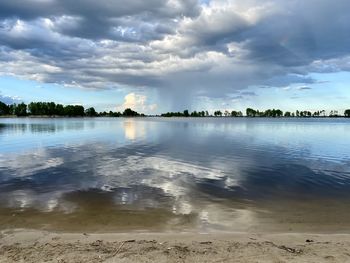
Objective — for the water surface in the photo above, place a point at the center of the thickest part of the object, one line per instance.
(179, 174)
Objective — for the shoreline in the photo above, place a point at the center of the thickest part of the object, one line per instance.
(162, 117)
(26, 245)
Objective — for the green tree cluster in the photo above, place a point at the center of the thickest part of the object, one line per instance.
(13, 109)
(53, 109)
(347, 113)
(130, 113)
(268, 113)
(41, 109)
(174, 114)
(186, 113)
(4, 109)
(198, 114)
(109, 114)
(91, 112)
(236, 114)
(20, 109)
(217, 113)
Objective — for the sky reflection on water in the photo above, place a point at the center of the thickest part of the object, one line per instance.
(194, 173)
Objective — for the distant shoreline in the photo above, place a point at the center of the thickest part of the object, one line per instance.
(51, 109)
(158, 116)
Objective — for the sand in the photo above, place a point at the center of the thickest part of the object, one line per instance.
(40, 246)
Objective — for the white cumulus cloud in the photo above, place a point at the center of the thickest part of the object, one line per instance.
(137, 103)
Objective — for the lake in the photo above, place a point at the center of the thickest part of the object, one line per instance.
(176, 174)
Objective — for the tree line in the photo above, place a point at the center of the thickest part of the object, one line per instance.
(270, 113)
(53, 109)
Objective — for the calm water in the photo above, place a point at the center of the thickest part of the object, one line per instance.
(150, 174)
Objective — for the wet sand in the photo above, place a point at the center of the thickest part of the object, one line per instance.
(40, 246)
(283, 231)
(100, 215)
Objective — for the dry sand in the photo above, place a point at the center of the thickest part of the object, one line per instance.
(40, 246)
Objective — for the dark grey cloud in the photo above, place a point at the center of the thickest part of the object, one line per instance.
(304, 32)
(98, 19)
(304, 88)
(286, 80)
(249, 93)
(177, 46)
(32, 9)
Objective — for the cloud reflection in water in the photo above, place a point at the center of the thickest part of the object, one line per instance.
(217, 171)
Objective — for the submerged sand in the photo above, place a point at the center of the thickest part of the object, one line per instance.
(40, 246)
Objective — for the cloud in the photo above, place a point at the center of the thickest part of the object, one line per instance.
(105, 19)
(249, 93)
(304, 88)
(136, 102)
(10, 99)
(181, 49)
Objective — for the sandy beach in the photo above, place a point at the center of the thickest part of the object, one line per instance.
(40, 246)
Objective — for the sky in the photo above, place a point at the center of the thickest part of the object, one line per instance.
(156, 55)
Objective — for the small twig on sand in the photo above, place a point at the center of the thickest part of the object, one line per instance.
(119, 248)
(290, 250)
(285, 248)
(123, 243)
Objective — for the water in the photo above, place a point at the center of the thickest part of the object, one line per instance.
(180, 174)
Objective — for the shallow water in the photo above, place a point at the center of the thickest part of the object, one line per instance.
(180, 174)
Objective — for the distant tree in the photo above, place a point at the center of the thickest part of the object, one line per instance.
(20, 109)
(186, 114)
(45, 108)
(236, 114)
(218, 113)
(32, 108)
(12, 109)
(333, 113)
(267, 113)
(4, 109)
(91, 112)
(278, 113)
(317, 114)
(51, 108)
(194, 114)
(287, 114)
(347, 113)
(74, 111)
(114, 114)
(130, 113)
(59, 110)
(250, 112)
